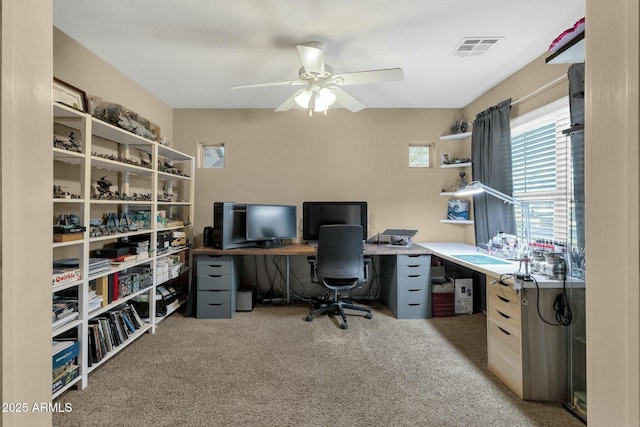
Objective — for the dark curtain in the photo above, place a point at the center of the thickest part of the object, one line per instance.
(576, 109)
(491, 156)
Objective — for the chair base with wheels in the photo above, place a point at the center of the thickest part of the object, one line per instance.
(337, 306)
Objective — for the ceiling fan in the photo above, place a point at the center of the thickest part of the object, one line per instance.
(322, 86)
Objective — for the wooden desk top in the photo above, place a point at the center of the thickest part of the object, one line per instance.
(303, 249)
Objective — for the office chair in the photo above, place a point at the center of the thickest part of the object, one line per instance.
(339, 266)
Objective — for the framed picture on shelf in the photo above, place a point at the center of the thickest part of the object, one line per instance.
(69, 95)
(458, 210)
(444, 159)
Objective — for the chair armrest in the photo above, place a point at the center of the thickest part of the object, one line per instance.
(367, 260)
(312, 260)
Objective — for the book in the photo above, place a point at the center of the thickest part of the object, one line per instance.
(64, 352)
(67, 376)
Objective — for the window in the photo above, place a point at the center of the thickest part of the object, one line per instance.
(420, 155)
(211, 155)
(541, 169)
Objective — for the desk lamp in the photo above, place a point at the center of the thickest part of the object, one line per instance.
(475, 187)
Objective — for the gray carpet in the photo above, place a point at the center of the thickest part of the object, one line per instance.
(271, 368)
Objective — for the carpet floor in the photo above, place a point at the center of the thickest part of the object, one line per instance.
(269, 367)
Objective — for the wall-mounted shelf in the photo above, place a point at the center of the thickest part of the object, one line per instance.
(453, 193)
(571, 53)
(457, 221)
(456, 136)
(456, 165)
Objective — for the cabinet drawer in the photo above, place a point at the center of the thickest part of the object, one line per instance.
(214, 311)
(214, 297)
(417, 295)
(505, 291)
(412, 310)
(502, 304)
(510, 325)
(214, 265)
(413, 260)
(412, 282)
(214, 282)
(504, 358)
(413, 269)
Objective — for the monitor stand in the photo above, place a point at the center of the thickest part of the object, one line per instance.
(266, 244)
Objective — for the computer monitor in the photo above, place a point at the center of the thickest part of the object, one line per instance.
(317, 214)
(269, 225)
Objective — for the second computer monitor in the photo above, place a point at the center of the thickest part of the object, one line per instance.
(317, 214)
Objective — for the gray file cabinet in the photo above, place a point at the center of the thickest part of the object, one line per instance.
(405, 285)
(217, 284)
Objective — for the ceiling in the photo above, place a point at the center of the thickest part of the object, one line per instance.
(189, 53)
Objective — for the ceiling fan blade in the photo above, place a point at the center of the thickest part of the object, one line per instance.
(289, 102)
(254, 85)
(347, 101)
(373, 76)
(312, 58)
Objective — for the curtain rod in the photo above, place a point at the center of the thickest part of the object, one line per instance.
(539, 90)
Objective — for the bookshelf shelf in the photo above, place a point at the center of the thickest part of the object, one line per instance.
(86, 174)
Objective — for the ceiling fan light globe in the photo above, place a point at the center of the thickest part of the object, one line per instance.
(302, 99)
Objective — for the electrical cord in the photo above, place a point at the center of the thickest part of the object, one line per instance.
(561, 306)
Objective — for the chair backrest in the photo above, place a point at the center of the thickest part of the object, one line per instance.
(340, 254)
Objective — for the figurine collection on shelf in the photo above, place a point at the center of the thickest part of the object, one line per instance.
(67, 143)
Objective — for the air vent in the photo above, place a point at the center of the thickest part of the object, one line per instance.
(474, 46)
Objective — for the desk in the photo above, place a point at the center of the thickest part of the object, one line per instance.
(524, 352)
(392, 282)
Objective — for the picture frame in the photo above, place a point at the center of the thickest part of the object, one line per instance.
(69, 95)
(444, 159)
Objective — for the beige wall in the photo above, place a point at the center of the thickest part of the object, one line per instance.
(78, 66)
(612, 212)
(287, 158)
(523, 83)
(26, 170)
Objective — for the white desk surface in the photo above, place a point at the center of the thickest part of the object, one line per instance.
(447, 250)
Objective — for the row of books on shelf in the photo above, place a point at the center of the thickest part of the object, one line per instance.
(65, 367)
(111, 330)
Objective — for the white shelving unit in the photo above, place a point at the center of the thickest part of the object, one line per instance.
(465, 165)
(158, 182)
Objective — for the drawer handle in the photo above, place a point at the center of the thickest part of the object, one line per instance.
(214, 275)
(413, 266)
(215, 305)
(503, 315)
(503, 298)
(506, 332)
(414, 304)
(214, 265)
(413, 275)
(414, 290)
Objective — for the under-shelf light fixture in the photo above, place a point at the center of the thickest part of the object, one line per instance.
(316, 98)
(475, 187)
